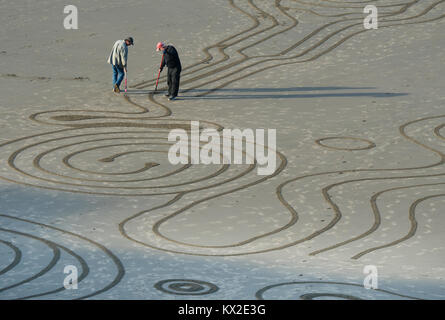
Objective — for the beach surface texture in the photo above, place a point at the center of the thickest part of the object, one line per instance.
(355, 196)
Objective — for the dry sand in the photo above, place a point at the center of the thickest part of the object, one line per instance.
(360, 147)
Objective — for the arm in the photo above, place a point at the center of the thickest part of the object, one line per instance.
(124, 56)
(162, 62)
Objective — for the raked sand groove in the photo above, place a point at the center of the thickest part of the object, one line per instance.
(309, 290)
(403, 11)
(94, 152)
(57, 252)
(313, 43)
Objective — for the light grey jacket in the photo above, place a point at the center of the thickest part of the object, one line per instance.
(118, 55)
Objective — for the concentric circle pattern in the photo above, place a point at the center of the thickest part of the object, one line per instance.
(186, 287)
(34, 262)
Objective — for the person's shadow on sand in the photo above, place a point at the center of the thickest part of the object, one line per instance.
(288, 93)
(276, 93)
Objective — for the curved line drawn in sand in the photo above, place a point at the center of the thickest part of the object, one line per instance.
(309, 290)
(113, 137)
(368, 144)
(393, 177)
(186, 287)
(57, 248)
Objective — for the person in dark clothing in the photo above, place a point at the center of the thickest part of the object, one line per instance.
(171, 60)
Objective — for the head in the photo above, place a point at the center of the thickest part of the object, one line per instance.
(129, 41)
(160, 46)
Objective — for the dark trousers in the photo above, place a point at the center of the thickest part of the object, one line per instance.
(173, 77)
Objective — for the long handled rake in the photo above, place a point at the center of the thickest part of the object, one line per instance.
(126, 76)
(159, 73)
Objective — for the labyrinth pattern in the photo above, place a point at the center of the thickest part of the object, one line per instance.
(93, 152)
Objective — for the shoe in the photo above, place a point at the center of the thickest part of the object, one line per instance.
(116, 89)
(172, 98)
(167, 95)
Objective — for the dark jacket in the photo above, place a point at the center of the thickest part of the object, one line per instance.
(171, 58)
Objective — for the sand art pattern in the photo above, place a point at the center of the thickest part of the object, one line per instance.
(95, 154)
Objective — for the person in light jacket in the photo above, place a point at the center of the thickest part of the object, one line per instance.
(118, 59)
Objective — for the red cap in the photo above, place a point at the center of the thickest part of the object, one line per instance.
(160, 46)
